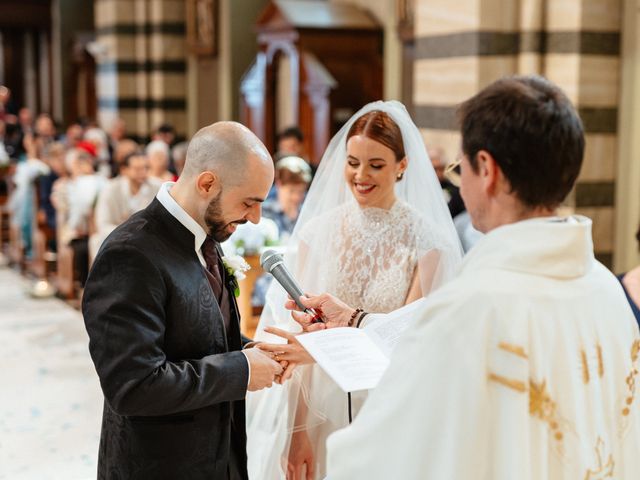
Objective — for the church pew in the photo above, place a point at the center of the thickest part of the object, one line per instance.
(249, 321)
(41, 235)
(16, 245)
(65, 281)
(5, 190)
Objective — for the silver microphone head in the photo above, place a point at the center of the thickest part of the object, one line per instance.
(269, 259)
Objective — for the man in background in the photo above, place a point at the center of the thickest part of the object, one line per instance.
(450, 191)
(290, 142)
(121, 197)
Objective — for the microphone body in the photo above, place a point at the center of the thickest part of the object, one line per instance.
(272, 262)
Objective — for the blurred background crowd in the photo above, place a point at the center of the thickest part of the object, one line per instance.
(98, 98)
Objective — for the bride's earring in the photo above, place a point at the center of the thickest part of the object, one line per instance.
(399, 177)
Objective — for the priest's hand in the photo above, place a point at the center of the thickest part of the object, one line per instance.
(335, 312)
(300, 454)
(263, 370)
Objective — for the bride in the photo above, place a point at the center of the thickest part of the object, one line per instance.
(374, 231)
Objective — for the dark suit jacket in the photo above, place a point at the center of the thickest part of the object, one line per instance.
(173, 379)
(455, 204)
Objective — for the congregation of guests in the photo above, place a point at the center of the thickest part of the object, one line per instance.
(80, 182)
(83, 181)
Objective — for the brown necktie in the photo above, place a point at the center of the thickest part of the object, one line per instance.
(210, 255)
(214, 275)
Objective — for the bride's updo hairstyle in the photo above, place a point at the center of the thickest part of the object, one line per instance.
(378, 125)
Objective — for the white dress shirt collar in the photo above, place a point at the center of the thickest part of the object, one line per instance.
(168, 202)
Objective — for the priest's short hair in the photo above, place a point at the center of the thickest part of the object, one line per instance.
(532, 131)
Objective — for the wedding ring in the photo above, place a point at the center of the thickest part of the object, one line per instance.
(277, 359)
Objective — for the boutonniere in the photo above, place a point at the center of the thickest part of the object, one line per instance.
(235, 266)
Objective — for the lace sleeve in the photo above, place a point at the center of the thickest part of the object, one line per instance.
(304, 234)
(426, 234)
(433, 255)
(320, 225)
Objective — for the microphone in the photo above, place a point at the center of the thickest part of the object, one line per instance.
(272, 262)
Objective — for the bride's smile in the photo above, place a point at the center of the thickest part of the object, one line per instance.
(371, 171)
(364, 188)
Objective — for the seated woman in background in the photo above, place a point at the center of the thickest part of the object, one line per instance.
(292, 179)
(158, 153)
(631, 285)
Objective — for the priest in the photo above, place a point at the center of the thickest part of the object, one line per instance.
(527, 365)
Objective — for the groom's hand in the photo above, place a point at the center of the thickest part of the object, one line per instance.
(335, 312)
(263, 370)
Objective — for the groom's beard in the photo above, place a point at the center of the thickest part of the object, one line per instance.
(218, 227)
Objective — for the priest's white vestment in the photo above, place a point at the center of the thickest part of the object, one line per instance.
(524, 367)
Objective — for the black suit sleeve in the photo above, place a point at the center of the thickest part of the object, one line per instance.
(123, 307)
(456, 204)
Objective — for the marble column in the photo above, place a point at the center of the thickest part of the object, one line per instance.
(465, 45)
(141, 64)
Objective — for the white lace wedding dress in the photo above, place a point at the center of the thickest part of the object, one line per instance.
(371, 258)
(374, 254)
(366, 257)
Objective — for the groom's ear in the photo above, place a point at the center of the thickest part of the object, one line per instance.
(208, 184)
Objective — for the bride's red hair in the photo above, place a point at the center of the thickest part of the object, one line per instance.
(379, 126)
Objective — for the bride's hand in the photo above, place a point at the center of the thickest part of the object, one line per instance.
(292, 352)
(300, 454)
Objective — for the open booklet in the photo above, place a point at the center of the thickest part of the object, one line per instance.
(357, 358)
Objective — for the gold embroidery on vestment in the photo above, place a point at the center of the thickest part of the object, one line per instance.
(600, 362)
(585, 367)
(509, 383)
(515, 349)
(602, 470)
(543, 407)
(635, 351)
(631, 378)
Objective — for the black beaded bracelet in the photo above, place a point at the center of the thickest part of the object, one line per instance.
(353, 317)
(364, 314)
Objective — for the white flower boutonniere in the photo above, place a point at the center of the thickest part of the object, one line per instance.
(235, 266)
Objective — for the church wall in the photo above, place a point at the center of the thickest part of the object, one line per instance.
(142, 66)
(148, 74)
(243, 44)
(385, 12)
(463, 46)
(72, 17)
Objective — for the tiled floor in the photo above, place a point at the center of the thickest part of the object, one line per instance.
(50, 399)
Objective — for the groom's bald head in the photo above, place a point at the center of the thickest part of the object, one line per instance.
(228, 149)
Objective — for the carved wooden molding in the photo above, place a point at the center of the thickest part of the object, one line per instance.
(202, 27)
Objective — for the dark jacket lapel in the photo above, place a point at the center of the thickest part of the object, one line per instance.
(181, 237)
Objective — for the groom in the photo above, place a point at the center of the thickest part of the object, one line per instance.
(164, 326)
